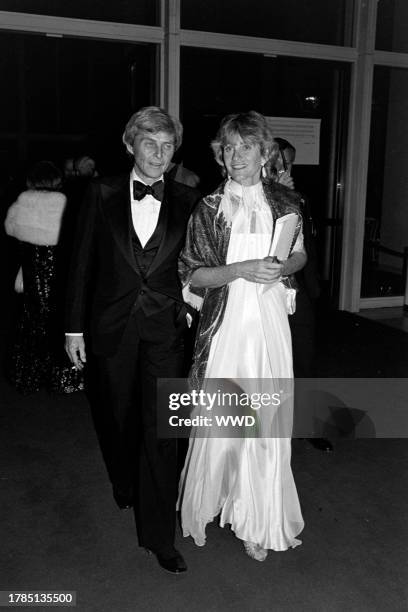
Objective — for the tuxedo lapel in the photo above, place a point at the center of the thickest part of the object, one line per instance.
(119, 216)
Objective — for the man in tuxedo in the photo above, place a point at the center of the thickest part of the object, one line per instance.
(124, 275)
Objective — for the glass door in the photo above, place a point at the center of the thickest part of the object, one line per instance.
(386, 219)
(215, 83)
(70, 96)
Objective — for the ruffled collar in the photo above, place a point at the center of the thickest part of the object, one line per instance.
(243, 191)
(236, 196)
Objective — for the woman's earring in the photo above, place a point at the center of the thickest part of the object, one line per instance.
(263, 171)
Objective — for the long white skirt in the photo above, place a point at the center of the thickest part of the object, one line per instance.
(248, 481)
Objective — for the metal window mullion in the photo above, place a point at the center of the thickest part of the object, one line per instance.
(250, 44)
(172, 57)
(391, 59)
(357, 157)
(64, 26)
(356, 185)
(161, 59)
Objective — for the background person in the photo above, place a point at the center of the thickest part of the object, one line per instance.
(68, 168)
(35, 220)
(85, 166)
(303, 320)
(177, 172)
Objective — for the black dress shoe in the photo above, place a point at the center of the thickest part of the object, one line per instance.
(123, 500)
(321, 444)
(174, 564)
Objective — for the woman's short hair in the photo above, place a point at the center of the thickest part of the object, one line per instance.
(152, 119)
(44, 175)
(252, 127)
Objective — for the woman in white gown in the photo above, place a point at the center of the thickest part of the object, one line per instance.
(244, 337)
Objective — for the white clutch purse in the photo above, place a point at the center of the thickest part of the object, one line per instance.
(290, 300)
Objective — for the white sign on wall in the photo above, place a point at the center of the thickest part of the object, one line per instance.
(303, 134)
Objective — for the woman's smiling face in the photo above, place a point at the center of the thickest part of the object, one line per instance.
(242, 159)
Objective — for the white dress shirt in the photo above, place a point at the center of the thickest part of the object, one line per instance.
(145, 212)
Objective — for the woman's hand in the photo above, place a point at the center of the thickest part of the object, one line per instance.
(260, 270)
(252, 270)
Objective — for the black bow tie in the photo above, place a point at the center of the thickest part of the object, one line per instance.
(140, 190)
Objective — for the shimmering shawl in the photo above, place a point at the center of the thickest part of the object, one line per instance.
(207, 241)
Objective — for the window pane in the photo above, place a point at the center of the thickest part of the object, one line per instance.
(386, 223)
(216, 83)
(67, 96)
(143, 12)
(392, 25)
(8, 168)
(9, 100)
(317, 21)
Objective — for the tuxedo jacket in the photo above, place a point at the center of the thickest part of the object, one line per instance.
(105, 281)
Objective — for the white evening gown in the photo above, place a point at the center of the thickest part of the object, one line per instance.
(248, 481)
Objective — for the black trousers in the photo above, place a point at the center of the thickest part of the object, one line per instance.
(124, 409)
(303, 329)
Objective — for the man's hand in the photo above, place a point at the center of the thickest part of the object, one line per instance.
(75, 349)
(260, 270)
(285, 179)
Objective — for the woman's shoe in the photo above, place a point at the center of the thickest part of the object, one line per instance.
(255, 551)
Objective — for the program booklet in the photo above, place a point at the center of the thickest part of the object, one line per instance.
(283, 236)
(284, 233)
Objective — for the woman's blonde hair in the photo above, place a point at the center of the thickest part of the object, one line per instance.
(253, 128)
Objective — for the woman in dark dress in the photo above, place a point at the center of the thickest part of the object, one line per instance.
(37, 358)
